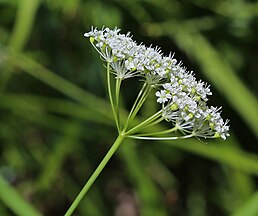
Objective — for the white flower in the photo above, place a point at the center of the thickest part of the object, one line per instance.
(163, 96)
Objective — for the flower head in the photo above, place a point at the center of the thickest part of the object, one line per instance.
(183, 98)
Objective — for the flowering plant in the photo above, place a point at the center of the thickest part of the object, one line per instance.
(182, 99)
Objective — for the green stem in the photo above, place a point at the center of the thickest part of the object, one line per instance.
(144, 123)
(159, 132)
(161, 138)
(111, 97)
(154, 122)
(141, 102)
(118, 85)
(94, 176)
(143, 94)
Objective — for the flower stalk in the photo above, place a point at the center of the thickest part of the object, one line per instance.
(110, 94)
(183, 99)
(95, 174)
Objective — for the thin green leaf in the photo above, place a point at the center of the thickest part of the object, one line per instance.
(150, 196)
(24, 21)
(14, 201)
(250, 207)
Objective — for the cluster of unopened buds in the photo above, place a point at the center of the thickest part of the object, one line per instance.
(182, 98)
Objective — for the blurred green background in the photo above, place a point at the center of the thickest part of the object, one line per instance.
(56, 124)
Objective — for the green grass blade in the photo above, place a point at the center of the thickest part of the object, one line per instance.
(11, 2)
(23, 25)
(150, 197)
(220, 152)
(249, 208)
(40, 72)
(14, 201)
(55, 159)
(36, 103)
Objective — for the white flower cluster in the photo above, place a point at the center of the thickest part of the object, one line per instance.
(183, 98)
(128, 59)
